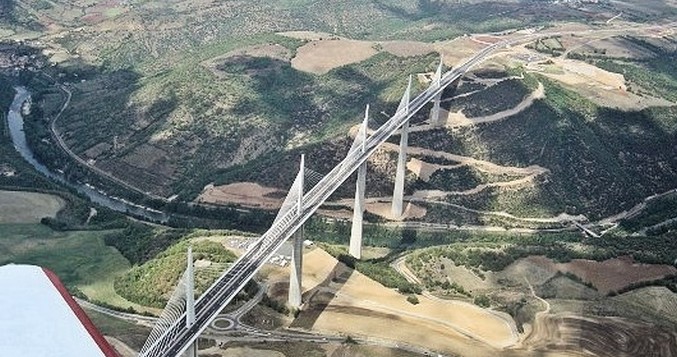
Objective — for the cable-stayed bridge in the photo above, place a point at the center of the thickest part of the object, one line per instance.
(180, 326)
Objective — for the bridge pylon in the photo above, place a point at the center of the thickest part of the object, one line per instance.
(296, 273)
(190, 300)
(358, 210)
(398, 193)
(435, 119)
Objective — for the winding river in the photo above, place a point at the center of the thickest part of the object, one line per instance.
(15, 122)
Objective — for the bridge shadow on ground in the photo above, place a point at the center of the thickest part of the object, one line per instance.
(318, 298)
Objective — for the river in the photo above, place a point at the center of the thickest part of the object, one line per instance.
(15, 122)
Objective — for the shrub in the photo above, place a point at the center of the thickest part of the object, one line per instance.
(482, 301)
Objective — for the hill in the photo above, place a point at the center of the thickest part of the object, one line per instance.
(170, 102)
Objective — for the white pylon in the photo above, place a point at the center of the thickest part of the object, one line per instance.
(406, 98)
(437, 101)
(299, 205)
(190, 299)
(398, 193)
(358, 211)
(295, 298)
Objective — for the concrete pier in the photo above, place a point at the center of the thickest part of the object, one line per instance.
(296, 273)
(398, 193)
(435, 119)
(360, 186)
(190, 300)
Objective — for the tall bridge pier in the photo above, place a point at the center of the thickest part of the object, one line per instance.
(295, 298)
(398, 193)
(435, 119)
(360, 186)
(190, 300)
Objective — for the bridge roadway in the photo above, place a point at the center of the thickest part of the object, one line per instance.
(179, 337)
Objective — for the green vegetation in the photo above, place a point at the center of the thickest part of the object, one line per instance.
(376, 269)
(550, 45)
(657, 211)
(274, 100)
(655, 75)
(669, 282)
(412, 299)
(151, 283)
(483, 253)
(80, 258)
(495, 252)
(482, 301)
(505, 95)
(139, 242)
(600, 160)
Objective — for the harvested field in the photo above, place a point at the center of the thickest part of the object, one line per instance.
(342, 300)
(614, 48)
(321, 56)
(651, 301)
(407, 48)
(28, 207)
(325, 51)
(609, 275)
(246, 194)
(604, 337)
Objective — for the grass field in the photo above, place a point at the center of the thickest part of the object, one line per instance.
(131, 334)
(80, 259)
(27, 207)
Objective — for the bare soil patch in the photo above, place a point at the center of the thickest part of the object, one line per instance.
(609, 275)
(602, 87)
(383, 209)
(358, 305)
(653, 300)
(424, 170)
(485, 166)
(321, 56)
(407, 48)
(613, 337)
(378, 206)
(614, 48)
(246, 194)
(28, 207)
(325, 52)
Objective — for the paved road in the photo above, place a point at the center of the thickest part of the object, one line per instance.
(133, 318)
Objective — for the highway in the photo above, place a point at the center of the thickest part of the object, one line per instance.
(179, 337)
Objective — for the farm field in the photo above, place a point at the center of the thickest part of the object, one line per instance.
(28, 207)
